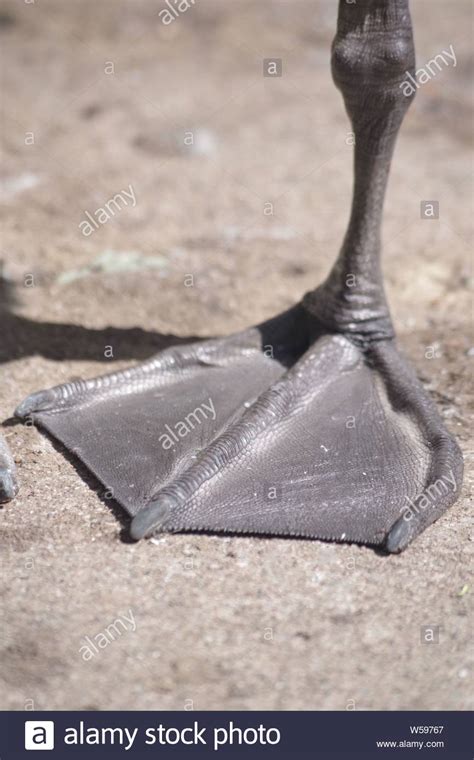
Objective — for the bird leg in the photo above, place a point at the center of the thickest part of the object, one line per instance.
(318, 427)
(371, 54)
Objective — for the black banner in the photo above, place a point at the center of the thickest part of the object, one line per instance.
(334, 735)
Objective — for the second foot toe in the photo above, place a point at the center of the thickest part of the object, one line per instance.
(40, 401)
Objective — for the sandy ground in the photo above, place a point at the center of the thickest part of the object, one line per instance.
(233, 623)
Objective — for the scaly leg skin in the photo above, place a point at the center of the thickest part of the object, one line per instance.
(311, 424)
(8, 483)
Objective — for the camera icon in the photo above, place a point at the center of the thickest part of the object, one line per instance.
(39, 734)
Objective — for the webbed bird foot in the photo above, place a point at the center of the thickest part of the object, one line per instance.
(322, 437)
(311, 424)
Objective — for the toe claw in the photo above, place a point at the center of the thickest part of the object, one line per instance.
(36, 402)
(399, 536)
(8, 485)
(150, 519)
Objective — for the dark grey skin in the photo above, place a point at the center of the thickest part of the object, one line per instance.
(320, 428)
